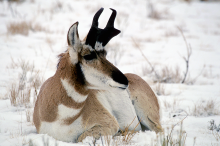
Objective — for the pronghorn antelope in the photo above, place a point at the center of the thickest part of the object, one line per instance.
(88, 96)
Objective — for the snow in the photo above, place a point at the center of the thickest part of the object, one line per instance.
(159, 39)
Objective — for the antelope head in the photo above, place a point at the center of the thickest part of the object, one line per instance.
(90, 55)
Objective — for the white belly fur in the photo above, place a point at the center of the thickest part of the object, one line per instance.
(61, 131)
(118, 103)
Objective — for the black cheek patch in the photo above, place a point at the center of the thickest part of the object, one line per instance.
(80, 74)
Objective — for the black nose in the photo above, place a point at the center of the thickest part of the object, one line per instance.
(119, 77)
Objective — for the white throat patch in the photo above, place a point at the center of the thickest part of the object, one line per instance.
(71, 92)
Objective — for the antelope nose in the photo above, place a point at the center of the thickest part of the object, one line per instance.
(120, 78)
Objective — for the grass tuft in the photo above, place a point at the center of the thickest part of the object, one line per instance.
(208, 108)
(173, 137)
(23, 28)
(23, 92)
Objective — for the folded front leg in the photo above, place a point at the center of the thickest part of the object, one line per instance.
(97, 131)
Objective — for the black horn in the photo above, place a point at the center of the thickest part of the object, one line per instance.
(109, 31)
(102, 36)
(95, 22)
(94, 30)
(111, 19)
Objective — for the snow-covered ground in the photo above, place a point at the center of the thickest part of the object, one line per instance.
(195, 103)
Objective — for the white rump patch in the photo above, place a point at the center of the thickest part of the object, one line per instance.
(77, 97)
(98, 46)
(66, 112)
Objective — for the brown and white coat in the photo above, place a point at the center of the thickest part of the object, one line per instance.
(88, 96)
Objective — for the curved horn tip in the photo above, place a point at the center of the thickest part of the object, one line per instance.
(101, 9)
(95, 22)
(113, 9)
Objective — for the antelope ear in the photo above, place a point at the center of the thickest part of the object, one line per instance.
(73, 36)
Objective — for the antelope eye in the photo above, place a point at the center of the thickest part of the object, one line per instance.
(90, 56)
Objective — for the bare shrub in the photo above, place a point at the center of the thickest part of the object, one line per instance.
(161, 74)
(23, 27)
(206, 108)
(189, 53)
(29, 79)
(166, 74)
(215, 129)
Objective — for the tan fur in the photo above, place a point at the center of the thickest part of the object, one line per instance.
(97, 119)
(52, 93)
(76, 78)
(144, 98)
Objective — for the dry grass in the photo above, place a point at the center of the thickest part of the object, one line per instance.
(173, 137)
(169, 75)
(16, 1)
(23, 28)
(153, 13)
(18, 28)
(127, 134)
(163, 73)
(159, 89)
(170, 33)
(206, 108)
(171, 105)
(28, 115)
(24, 90)
(124, 137)
(156, 14)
